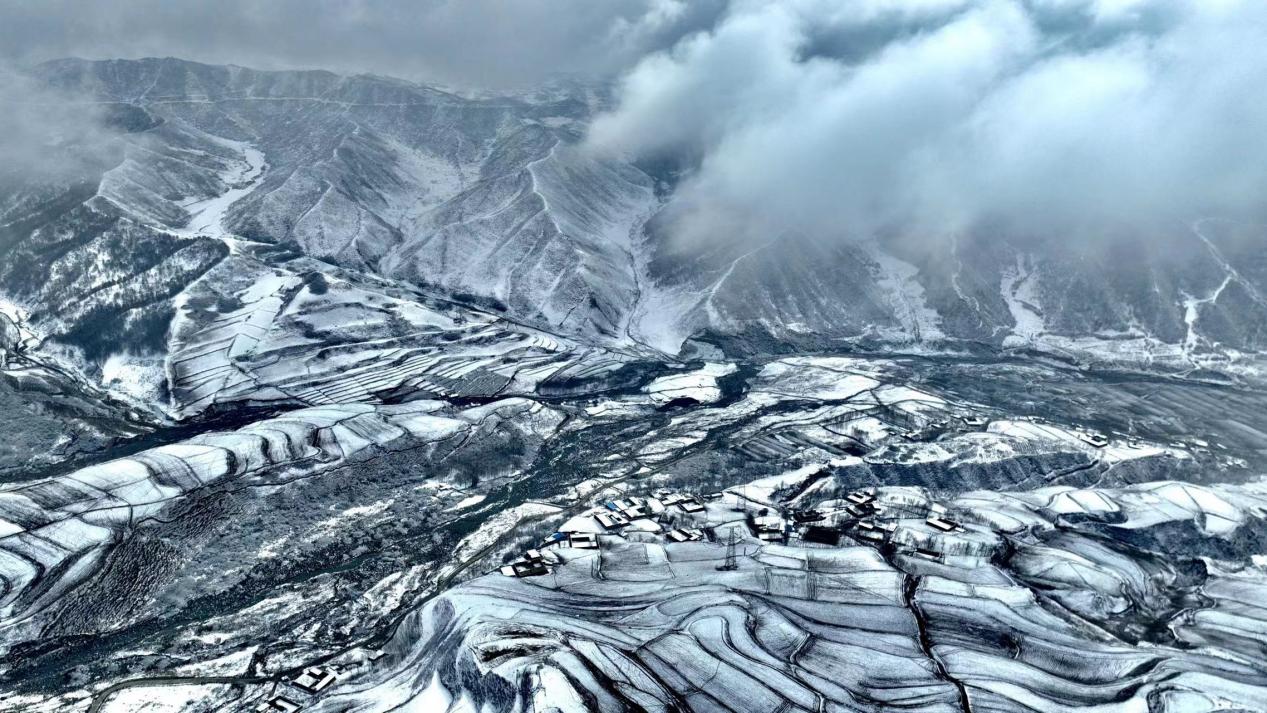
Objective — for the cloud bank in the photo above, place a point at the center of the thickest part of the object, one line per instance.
(1053, 119)
(47, 138)
(1047, 118)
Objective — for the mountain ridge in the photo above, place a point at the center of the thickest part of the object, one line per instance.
(495, 200)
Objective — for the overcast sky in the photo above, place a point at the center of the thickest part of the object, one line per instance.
(489, 43)
(817, 117)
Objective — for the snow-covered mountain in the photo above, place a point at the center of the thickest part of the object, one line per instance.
(492, 201)
(299, 371)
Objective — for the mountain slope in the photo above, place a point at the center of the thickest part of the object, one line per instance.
(492, 201)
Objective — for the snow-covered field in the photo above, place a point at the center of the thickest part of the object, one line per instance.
(647, 622)
(804, 433)
(699, 385)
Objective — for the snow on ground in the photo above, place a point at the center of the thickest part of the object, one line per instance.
(1032, 431)
(1213, 514)
(206, 216)
(699, 385)
(85, 510)
(35, 703)
(498, 525)
(234, 663)
(899, 280)
(468, 502)
(159, 699)
(1019, 288)
(554, 692)
(20, 317)
(612, 408)
(662, 318)
(343, 518)
(587, 488)
(866, 429)
(827, 378)
(729, 632)
(401, 696)
(894, 394)
(1138, 350)
(1116, 451)
(1217, 510)
(135, 378)
(273, 548)
(435, 697)
(666, 448)
(1074, 500)
(434, 179)
(583, 523)
(764, 489)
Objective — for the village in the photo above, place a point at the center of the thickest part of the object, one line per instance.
(769, 517)
(309, 682)
(897, 523)
(737, 520)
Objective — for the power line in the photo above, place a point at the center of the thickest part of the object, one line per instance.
(731, 562)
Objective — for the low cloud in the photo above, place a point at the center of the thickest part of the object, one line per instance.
(49, 137)
(834, 120)
(1045, 118)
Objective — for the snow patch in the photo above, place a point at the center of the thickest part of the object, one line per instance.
(353, 513)
(206, 216)
(699, 385)
(1019, 287)
(906, 296)
(136, 378)
(158, 699)
(468, 502)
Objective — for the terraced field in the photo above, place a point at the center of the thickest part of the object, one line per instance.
(1035, 601)
(1070, 565)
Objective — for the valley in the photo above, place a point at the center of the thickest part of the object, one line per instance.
(353, 535)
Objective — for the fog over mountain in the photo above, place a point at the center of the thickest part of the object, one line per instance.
(995, 152)
(49, 135)
(713, 356)
(1060, 120)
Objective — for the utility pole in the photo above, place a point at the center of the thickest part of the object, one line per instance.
(731, 563)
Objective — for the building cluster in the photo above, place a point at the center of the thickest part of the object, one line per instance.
(818, 526)
(531, 564)
(649, 512)
(1092, 438)
(652, 514)
(904, 526)
(918, 540)
(770, 526)
(862, 513)
(860, 517)
(686, 534)
(310, 681)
